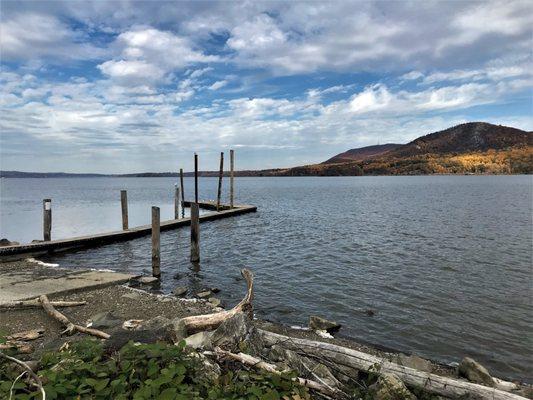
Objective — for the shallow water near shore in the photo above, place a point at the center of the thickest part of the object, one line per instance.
(444, 261)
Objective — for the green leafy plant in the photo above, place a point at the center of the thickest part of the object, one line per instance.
(156, 371)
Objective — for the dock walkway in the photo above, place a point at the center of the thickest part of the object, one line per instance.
(25, 250)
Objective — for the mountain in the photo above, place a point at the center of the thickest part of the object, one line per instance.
(362, 153)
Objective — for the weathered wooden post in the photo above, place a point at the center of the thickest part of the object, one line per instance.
(47, 220)
(195, 233)
(220, 173)
(182, 194)
(196, 178)
(231, 177)
(176, 201)
(124, 205)
(156, 243)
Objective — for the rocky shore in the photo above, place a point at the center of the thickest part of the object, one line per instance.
(132, 314)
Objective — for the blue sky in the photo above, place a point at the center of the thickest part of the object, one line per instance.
(139, 86)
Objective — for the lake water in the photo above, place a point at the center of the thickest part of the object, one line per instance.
(445, 261)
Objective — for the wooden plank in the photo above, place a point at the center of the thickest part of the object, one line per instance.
(196, 178)
(124, 207)
(195, 233)
(47, 220)
(231, 177)
(176, 202)
(220, 173)
(182, 194)
(156, 242)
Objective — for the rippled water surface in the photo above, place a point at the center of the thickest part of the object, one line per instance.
(445, 261)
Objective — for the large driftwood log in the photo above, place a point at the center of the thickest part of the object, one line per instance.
(70, 328)
(35, 303)
(198, 323)
(249, 360)
(357, 360)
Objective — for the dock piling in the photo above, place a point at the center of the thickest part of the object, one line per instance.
(182, 194)
(195, 233)
(47, 220)
(177, 202)
(124, 206)
(156, 242)
(220, 173)
(231, 177)
(196, 178)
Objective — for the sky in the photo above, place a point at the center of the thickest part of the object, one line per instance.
(123, 86)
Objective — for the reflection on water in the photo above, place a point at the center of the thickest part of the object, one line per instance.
(445, 261)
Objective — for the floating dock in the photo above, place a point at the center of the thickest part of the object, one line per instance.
(25, 250)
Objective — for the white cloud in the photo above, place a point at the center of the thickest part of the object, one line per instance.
(33, 36)
(218, 85)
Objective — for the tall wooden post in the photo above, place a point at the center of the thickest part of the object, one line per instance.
(195, 233)
(176, 201)
(220, 173)
(196, 178)
(47, 220)
(182, 194)
(124, 206)
(156, 243)
(231, 177)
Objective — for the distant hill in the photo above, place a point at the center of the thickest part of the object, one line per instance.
(362, 153)
(471, 148)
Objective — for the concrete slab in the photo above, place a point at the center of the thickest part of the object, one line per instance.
(24, 281)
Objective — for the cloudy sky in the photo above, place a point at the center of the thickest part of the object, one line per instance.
(119, 86)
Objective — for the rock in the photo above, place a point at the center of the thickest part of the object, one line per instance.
(105, 320)
(4, 242)
(180, 291)
(37, 241)
(199, 340)
(177, 331)
(120, 337)
(475, 372)
(415, 362)
(390, 387)
(370, 312)
(132, 295)
(215, 289)
(208, 371)
(322, 324)
(231, 332)
(148, 280)
(214, 301)
(204, 295)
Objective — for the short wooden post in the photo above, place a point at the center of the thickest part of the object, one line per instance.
(231, 177)
(195, 233)
(124, 205)
(182, 194)
(220, 173)
(196, 178)
(47, 220)
(156, 243)
(176, 201)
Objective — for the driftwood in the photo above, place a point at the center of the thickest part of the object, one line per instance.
(70, 328)
(35, 303)
(19, 347)
(27, 368)
(258, 363)
(26, 335)
(198, 323)
(353, 359)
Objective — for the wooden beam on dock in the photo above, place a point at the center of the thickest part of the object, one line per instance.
(195, 233)
(156, 242)
(220, 174)
(182, 194)
(231, 177)
(47, 220)
(176, 201)
(124, 207)
(195, 178)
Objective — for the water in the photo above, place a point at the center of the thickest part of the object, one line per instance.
(445, 261)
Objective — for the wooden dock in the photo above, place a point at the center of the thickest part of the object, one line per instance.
(25, 250)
